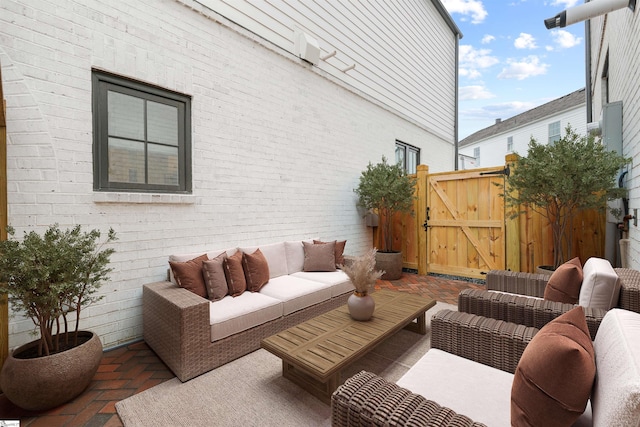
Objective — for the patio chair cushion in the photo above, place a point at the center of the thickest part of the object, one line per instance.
(616, 394)
(339, 281)
(188, 275)
(234, 273)
(340, 244)
(601, 285)
(295, 255)
(214, 278)
(256, 270)
(555, 375)
(564, 284)
(319, 257)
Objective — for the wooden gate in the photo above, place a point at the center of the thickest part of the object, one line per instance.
(465, 222)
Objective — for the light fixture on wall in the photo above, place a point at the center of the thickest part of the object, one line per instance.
(587, 11)
(306, 47)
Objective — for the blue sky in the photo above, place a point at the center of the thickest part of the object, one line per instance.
(509, 62)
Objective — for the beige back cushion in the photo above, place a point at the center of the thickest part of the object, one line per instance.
(600, 285)
(615, 400)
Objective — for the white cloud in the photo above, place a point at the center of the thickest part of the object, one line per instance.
(474, 92)
(525, 41)
(487, 39)
(564, 3)
(564, 39)
(525, 68)
(473, 8)
(473, 60)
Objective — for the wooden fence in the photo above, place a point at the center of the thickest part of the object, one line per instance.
(527, 240)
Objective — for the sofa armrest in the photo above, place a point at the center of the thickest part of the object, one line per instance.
(629, 289)
(175, 324)
(517, 282)
(367, 399)
(521, 309)
(489, 341)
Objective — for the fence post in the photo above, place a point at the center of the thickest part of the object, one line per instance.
(4, 307)
(422, 175)
(512, 225)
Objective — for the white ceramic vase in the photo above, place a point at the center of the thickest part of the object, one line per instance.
(361, 306)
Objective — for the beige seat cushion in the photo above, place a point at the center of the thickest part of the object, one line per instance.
(296, 293)
(231, 315)
(339, 281)
(478, 391)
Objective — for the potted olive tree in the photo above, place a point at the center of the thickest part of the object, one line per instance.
(559, 180)
(386, 189)
(50, 278)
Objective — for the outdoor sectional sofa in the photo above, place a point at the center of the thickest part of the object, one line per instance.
(466, 378)
(193, 335)
(518, 297)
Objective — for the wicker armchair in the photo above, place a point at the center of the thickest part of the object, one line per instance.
(513, 303)
(367, 399)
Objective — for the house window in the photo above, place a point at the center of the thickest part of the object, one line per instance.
(142, 137)
(554, 132)
(476, 155)
(408, 156)
(510, 144)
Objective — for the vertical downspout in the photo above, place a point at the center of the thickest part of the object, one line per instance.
(587, 60)
(4, 307)
(455, 124)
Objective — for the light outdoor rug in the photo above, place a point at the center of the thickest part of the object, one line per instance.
(251, 391)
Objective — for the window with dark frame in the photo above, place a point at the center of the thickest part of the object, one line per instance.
(408, 156)
(554, 132)
(142, 136)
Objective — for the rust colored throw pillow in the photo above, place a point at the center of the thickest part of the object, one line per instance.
(564, 284)
(319, 257)
(214, 277)
(555, 374)
(256, 270)
(234, 273)
(339, 252)
(189, 275)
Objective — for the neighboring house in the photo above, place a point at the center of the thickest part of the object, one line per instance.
(613, 61)
(195, 125)
(545, 123)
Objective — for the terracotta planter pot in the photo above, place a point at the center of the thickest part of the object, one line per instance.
(45, 382)
(390, 263)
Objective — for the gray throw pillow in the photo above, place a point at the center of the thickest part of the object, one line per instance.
(214, 278)
(319, 257)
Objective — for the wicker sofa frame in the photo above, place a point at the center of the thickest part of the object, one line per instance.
(176, 327)
(367, 399)
(521, 309)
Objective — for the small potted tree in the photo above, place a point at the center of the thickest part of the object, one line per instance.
(559, 180)
(386, 189)
(50, 278)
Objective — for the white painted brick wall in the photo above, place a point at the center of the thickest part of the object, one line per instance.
(277, 146)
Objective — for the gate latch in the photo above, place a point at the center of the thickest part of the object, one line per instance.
(426, 222)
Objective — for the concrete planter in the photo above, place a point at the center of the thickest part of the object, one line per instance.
(45, 382)
(390, 263)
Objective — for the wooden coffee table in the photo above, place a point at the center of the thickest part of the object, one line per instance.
(314, 352)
